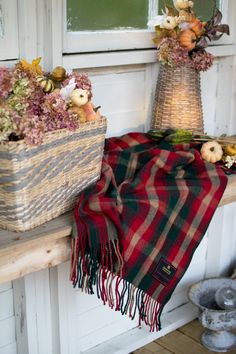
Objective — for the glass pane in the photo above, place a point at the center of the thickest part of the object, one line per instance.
(202, 8)
(92, 15)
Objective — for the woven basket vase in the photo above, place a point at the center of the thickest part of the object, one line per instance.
(177, 102)
(38, 183)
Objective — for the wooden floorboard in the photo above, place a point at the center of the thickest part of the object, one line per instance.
(185, 340)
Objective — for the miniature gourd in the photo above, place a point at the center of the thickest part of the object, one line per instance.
(211, 151)
(46, 83)
(58, 74)
(230, 149)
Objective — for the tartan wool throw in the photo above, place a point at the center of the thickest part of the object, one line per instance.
(136, 229)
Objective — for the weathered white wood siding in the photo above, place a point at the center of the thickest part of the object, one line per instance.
(7, 320)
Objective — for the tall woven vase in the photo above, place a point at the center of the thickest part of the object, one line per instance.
(177, 102)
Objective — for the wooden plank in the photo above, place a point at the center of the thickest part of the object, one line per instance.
(193, 330)
(33, 256)
(176, 342)
(151, 348)
(146, 350)
(49, 244)
(229, 195)
(52, 230)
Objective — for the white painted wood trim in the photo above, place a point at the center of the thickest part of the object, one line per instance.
(221, 259)
(27, 15)
(33, 314)
(97, 41)
(20, 316)
(49, 28)
(67, 318)
(57, 32)
(9, 48)
(90, 60)
(54, 308)
(224, 99)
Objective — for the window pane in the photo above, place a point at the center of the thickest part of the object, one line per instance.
(202, 8)
(92, 15)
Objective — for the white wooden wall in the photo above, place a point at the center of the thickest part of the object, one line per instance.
(41, 313)
(7, 320)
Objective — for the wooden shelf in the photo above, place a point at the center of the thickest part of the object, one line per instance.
(49, 244)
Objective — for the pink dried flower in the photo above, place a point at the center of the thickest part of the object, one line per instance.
(32, 128)
(171, 53)
(55, 113)
(6, 82)
(201, 60)
(82, 81)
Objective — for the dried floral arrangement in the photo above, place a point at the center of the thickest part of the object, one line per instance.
(33, 102)
(212, 149)
(181, 37)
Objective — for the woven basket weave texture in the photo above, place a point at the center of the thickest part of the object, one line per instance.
(38, 183)
(177, 102)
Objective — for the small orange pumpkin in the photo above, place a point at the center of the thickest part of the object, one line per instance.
(187, 39)
(197, 26)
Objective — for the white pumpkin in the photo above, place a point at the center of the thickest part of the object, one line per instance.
(211, 151)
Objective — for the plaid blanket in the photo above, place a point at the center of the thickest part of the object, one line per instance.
(136, 230)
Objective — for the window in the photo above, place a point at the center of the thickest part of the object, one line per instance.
(105, 15)
(108, 25)
(202, 8)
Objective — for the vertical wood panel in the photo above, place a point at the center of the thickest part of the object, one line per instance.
(209, 96)
(6, 304)
(9, 48)
(9, 349)
(27, 29)
(5, 286)
(7, 319)
(67, 311)
(222, 233)
(224, 96)
(33, 313)
(7, 331)
(124, 96)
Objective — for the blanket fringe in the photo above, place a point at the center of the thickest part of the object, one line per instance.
(106, 278)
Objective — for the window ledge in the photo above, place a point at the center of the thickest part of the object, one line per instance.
(129, 57)
(49, 244)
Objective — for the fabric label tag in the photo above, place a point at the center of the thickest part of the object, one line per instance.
(164, 271)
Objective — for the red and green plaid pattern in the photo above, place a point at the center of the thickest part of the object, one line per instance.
(136, 229)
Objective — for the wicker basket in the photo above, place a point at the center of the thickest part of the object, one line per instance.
(38, 183)
(177, 102)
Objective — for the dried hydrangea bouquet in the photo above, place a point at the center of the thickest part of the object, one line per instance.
(33, 102)
(181, 39)
(51, 143)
